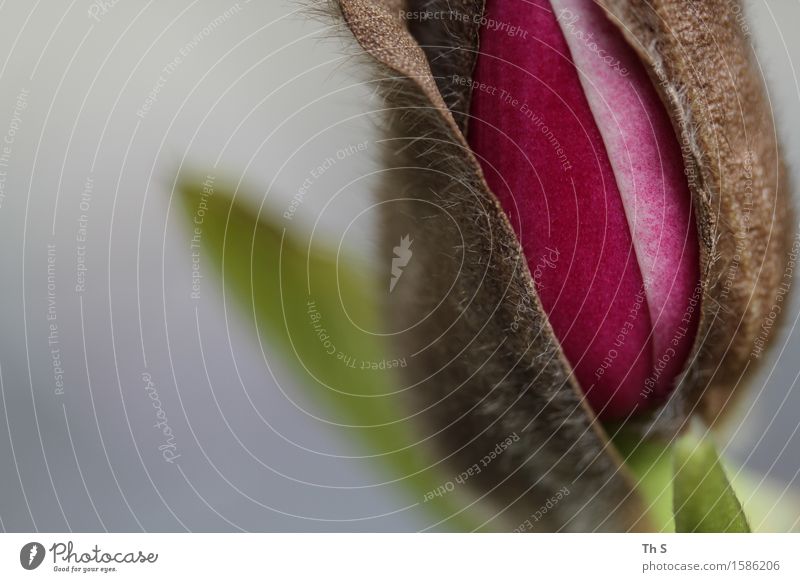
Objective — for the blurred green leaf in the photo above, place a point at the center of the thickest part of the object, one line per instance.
(650, 462)
(769, 506)
(703, 498)
(317, 312)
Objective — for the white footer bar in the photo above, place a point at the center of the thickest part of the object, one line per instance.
(400, 557)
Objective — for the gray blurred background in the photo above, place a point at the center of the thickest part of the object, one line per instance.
(102, 108)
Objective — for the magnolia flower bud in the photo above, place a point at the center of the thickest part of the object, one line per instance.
(599, 225)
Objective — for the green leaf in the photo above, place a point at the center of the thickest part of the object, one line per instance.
(319, 314)
(769, 506)
(650, 462)
(703, 498)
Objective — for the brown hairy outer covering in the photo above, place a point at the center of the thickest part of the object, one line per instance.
(484, 365)
(450, 43)
(702, 63)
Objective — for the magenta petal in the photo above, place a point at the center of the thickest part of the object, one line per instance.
(589, 171)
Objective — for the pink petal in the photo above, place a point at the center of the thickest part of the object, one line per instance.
(589, 170)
